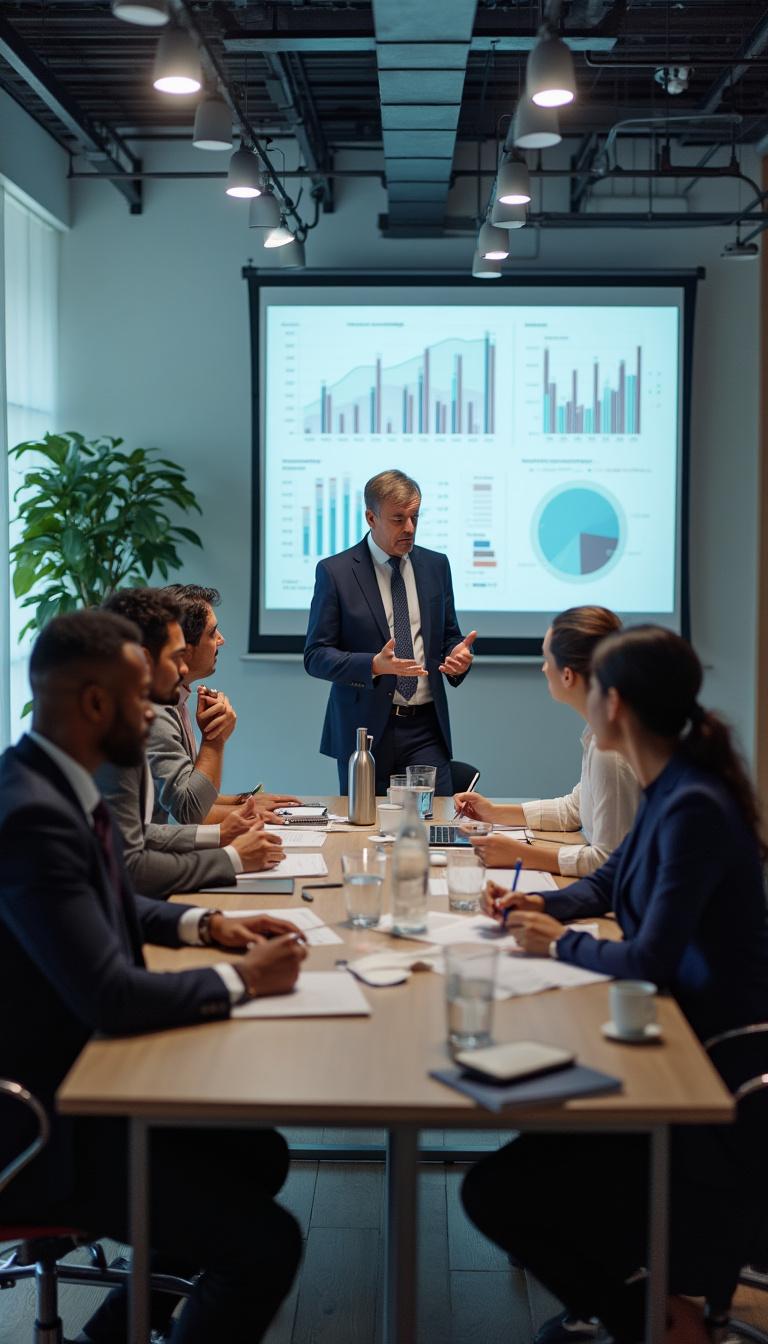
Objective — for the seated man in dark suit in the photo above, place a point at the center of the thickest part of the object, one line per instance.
(71, 935)
(166, 859)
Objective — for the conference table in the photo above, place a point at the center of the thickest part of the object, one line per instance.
(373, 1072)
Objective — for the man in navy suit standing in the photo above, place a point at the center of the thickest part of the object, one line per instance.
(382, 628)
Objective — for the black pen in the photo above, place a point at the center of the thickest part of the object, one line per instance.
(322, 886)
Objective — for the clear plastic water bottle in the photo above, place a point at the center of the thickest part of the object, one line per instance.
(410, 872)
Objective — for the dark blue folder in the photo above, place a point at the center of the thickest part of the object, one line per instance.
(547, 1089)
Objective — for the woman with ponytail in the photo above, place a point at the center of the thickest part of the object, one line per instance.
(686, 887)
(603, 803)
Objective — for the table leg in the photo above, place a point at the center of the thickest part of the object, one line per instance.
(138, 1204)
(658, 1234)
(400, 1253)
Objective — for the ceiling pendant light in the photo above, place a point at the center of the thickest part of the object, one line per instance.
(213, 124)
(513, 184)
(483, 269)
(177, 63)
(550, 76)
(265, 211)
(533, 127)
(243, 176)
(147, 13)
(279, 237)
(293, 254)
(492, 243)
(508, 216)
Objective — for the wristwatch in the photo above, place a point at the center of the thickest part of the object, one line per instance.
(204, 927)
(553, 949)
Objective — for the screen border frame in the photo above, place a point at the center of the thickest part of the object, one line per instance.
(494, 646)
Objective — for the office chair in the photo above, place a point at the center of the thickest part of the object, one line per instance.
(741, 1058)
(462, 775)
(41, 1247)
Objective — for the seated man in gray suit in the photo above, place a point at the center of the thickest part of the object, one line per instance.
(167, 859)
(187, 778)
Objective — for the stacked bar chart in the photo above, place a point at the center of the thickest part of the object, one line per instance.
(449, 388)
(608, 409)
(334, 521)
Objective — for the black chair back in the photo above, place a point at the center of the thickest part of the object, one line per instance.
(462, 775)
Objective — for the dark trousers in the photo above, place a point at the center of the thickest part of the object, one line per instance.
(213, 1213)
(573, 1209)
(406, 741)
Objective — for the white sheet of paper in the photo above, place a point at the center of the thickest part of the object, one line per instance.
(317, 932)
(294, 865)
(444, 928)
(317, 994)
(297, 837)
(529, 880)
(514, 832)
(517, 975)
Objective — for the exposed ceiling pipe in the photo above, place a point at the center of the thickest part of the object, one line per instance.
(642, 125)
(754, 45)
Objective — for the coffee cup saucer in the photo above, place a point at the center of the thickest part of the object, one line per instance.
(649, 1034)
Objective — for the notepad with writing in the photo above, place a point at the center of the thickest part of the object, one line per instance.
(549, 1089)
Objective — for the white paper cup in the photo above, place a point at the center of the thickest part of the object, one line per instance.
(388, 818)
(633, 1007)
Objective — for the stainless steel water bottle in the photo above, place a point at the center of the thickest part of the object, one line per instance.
(362, 782)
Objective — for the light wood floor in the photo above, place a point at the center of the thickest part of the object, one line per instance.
(468, 1294)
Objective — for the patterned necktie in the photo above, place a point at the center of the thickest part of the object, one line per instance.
(406, 686)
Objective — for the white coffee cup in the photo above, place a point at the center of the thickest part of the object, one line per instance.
(633, 1007)
(389, 817)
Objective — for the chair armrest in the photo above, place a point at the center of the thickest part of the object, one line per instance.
(736, 1033)
(18, 1093)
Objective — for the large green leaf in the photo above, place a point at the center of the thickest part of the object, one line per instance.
(23, 578)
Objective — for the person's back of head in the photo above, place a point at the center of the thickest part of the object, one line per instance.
(658, 675)
(576, 633)
(151, 609)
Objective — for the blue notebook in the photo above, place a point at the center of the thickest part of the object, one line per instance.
(548, 1089)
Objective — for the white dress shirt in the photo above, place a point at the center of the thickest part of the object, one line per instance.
(603, 806)
(422, 695)
(82, 784)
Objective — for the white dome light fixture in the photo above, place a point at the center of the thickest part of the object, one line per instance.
(550, 75)
(293, 254)
(213, 124)
(533, 127)
(177, 63)
(483, 269)
(513, 184)
(508, 216)
(146, 13)
(243, 176)
(279, 237)
(265, 211)
(492, 243)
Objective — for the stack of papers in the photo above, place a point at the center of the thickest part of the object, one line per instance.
(316, 932)
(293, 865)
(298, 837)
(316, 994)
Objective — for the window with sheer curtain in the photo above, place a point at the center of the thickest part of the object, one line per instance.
(30, 299)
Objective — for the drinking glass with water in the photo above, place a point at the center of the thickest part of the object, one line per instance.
(470, 980)
(422, 778)
(364, 874)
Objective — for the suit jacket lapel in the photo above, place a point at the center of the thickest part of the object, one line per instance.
(362, 568)
(417, 561)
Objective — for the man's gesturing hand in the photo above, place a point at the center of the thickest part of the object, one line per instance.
(385, 664)
(459, 660)
(273, 967)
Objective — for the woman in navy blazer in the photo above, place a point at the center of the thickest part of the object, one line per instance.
(686, 887)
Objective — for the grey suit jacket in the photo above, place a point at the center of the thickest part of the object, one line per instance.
(182, 793)
(160, 859)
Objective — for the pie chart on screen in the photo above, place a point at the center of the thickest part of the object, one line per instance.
(578, 531)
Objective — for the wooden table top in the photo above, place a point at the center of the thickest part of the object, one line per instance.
(374, 1071)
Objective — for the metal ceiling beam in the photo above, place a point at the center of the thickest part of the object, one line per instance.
(291, 94)
(105, 149)
(754, 45)
(321, 44)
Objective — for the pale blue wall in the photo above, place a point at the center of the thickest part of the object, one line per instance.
(32, 162)
(155, 347)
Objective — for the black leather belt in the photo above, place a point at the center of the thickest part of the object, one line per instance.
(411, 711)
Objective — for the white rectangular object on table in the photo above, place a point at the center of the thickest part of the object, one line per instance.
(317, 994)
(317, 932)
(299, 839)
(529, 880)
(294, 865)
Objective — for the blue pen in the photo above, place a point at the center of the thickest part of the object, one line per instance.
(515, 881)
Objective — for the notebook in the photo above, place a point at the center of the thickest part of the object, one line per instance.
(549, 1089)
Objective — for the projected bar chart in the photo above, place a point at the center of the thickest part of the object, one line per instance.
(449, 388)
(335, 519)
(606, 409)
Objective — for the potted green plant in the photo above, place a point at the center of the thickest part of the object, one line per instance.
(93, 518)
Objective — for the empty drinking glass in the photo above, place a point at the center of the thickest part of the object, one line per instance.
(466, 878)
(470, 979)
(398, 785)
(364, 874)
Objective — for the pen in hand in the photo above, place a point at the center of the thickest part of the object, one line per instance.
(515, 881)
(460, 810)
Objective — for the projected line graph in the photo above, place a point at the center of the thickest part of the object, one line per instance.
(449, 388)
